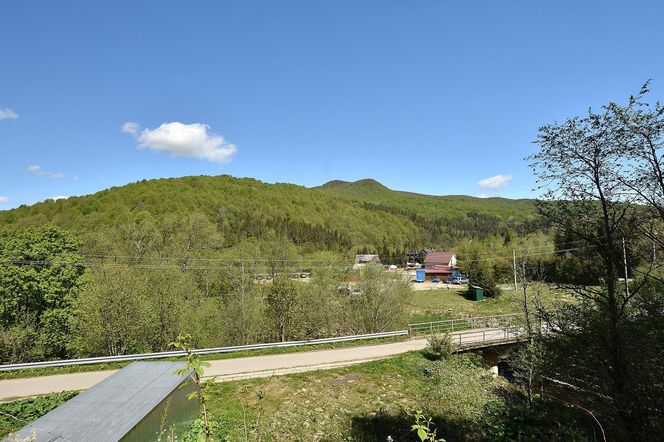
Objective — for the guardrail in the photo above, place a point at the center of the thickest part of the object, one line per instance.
(203, 351)
(453, 325)
(483, 338)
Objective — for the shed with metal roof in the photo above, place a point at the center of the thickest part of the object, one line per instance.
(134, 404)
(441, 265)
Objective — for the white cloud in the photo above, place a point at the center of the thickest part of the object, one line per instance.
(183, 140)
(59, 197)
(7, 114)
(37, 170)
(495, 182)
(130, 128)
(4, 200)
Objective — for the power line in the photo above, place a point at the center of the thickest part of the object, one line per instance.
(553, 252)
(266, 263)
(138, 257)
(231, 260)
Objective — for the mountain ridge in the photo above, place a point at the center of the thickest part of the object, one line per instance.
(363, 213)
(372, 183)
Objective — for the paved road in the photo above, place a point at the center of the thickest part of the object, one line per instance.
(249, 367)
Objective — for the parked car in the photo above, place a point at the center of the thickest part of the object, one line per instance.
(457, 280)
(304, 275)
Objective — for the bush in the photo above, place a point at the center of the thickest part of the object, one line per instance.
(27, 410)
(440, 347)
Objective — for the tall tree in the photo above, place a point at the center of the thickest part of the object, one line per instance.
(41, 274)
(281, 305)
(112, 314)
(380, 302)
(583, 169)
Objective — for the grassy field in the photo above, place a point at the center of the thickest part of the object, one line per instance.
(372, 401)
(440, 304)
(365, 402)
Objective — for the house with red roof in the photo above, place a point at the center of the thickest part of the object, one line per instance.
(440, 265)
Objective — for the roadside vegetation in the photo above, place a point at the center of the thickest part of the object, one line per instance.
(15, 415)
(372, 401)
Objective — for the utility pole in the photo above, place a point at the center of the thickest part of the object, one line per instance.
(625, 263)
(516, 289)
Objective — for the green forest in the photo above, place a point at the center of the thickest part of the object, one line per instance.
(334, 217)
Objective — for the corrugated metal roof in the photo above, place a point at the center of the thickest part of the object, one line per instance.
(438, 258)
(360, 259)
(110, 409)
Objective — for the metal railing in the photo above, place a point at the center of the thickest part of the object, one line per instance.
(486, 337)
(505, 327)
(454, 325)
(203, 351)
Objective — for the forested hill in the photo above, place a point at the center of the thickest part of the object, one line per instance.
(448, 206)
(336, 216)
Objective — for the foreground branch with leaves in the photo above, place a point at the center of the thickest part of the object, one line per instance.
(194, 369)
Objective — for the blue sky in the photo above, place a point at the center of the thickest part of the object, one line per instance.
(425, 96)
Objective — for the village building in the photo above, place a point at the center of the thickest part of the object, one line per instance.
(441, 265)
(364, 260)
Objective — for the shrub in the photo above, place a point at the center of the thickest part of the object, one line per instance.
(440, 347)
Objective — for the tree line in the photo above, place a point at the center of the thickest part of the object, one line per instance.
(156, 280)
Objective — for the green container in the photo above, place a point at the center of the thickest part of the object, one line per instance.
(476, 293)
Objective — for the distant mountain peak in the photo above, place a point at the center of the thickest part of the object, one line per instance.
(335, 183)
(364, 183)
(368, 182)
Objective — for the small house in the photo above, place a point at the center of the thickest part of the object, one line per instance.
(440, 265)
(364, 260)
